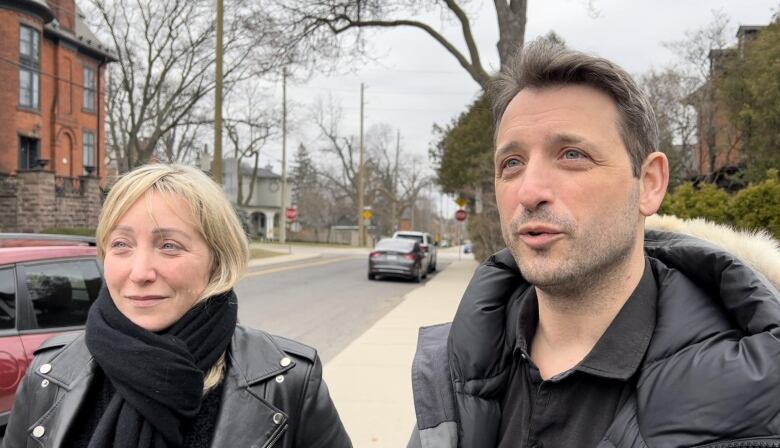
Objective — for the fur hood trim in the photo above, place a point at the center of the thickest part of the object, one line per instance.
(757, 249)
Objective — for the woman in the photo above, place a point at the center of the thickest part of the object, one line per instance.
(162, 362)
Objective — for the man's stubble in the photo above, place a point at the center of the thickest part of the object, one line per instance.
(594, 256)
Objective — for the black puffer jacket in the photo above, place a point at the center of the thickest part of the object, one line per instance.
(710, 377)
(273, 395)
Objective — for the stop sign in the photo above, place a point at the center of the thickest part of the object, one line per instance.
(460, 215)
(291, 214)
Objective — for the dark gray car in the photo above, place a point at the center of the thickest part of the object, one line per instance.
(398, 257)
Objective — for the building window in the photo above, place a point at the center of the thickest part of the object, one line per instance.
(29, 67)
(88, 151)
(29, 153)
(89, 89)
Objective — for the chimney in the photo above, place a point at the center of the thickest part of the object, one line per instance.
(65, 13)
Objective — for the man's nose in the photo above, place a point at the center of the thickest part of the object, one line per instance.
(535, 186)
(143, 269)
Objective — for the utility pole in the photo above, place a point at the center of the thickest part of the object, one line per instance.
(283, 217)
(361, 227)
(395, 180)
(216, 167)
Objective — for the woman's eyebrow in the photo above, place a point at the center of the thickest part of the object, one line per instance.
(168, 231)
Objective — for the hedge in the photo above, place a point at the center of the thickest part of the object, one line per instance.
(756, 207)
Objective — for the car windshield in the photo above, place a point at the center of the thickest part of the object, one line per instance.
(417, 238)
(395, 244)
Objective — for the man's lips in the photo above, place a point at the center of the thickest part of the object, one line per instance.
(539, 236)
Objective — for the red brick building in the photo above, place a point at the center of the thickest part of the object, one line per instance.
(52, 116)
(719, 147)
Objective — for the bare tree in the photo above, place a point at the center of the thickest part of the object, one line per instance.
(248, 129)
(344, 150)
(701, 53)
(399, 178)
(668, 91)
(165, 51)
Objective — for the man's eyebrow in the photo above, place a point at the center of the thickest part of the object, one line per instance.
(508, 148)
(562, 138)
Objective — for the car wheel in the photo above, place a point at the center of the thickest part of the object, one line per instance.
(432, 267)
(417, 275)
(371, 276)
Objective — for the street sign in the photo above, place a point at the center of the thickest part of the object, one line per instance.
(367, 214)
(460, 215)
(292, 214)
(461, 202)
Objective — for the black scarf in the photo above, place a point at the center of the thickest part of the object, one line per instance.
(158, 377)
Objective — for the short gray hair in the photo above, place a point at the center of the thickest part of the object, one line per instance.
(542, 63)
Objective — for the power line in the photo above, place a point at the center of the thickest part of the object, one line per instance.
(49, 75)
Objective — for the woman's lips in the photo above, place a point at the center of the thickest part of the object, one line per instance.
(145, 301)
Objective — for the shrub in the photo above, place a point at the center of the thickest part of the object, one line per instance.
(707, 201)
(758, 206)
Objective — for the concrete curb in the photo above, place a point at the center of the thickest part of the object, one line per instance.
(279, 259)
(370, 380)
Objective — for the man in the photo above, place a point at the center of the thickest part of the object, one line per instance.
(588, 331)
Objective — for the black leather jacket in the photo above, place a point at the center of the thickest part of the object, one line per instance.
(273, 395)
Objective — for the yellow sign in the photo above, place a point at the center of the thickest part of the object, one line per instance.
(461, 202)
(367, 214)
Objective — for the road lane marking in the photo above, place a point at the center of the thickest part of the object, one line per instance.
(297, 266)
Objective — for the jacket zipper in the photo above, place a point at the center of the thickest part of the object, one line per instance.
(756, 443)
(276, 436)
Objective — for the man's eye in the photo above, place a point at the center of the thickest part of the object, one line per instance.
(118, 245)
(572, 154)
(511, 163)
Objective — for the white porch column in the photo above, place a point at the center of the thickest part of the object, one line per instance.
(269, 224)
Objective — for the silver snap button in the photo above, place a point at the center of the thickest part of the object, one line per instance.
(285, 362)
(45, 383)
(46, 368)
(277, 418)
(280, 379)
(38, 431)
(522, 355)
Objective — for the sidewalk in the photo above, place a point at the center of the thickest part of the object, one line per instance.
(370, 381)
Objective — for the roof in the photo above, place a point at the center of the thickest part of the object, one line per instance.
(83, 38)
(262, 173)
(10, 255)
(39, 7)
(749, 28)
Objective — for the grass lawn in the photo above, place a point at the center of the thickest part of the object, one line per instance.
(255, 253)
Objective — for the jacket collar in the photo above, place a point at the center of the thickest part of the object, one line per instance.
(71, 365)
(254, 357)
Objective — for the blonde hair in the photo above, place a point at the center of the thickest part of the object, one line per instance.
(212, 215)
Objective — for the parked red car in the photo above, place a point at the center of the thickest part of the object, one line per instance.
(47, 284)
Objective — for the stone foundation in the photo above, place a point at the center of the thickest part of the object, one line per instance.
(32, 201)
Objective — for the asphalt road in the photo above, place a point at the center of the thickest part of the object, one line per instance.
(324, 302)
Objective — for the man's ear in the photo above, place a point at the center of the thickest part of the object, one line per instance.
(653, 181)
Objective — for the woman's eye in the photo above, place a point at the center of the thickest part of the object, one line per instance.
(169, 246)
(572, 154)
(118, 245)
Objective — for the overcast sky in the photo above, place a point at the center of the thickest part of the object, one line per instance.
(418, 83)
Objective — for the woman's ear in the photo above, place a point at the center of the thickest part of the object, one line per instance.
(653, 181)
